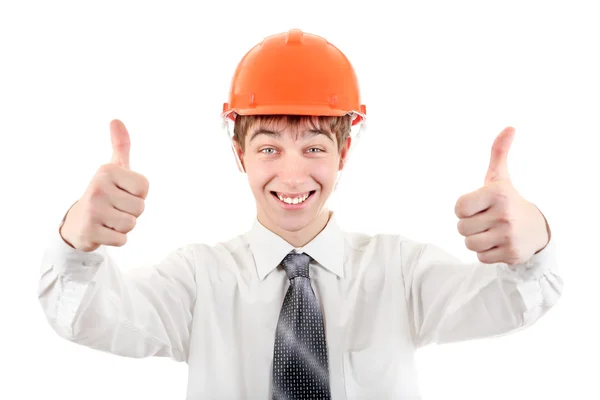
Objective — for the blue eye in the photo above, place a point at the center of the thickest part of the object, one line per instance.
(315, 148)
(268, 148)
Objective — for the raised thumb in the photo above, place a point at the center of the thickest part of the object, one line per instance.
(121, 144)
(498, 167)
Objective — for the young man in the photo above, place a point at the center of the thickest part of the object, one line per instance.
(296, 307)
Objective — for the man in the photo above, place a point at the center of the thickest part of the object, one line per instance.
(296, 307)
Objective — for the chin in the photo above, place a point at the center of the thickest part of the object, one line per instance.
(293, 224)
(289, 222)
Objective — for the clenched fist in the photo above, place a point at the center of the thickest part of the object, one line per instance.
(112, 202)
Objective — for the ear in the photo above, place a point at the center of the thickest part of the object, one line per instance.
(238, 154)
(344, 152)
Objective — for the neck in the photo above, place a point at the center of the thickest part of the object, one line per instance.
(303, 236)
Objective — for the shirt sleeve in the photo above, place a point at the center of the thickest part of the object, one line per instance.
(144, 312)
(451, 301)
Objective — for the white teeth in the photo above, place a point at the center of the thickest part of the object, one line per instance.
(296, 200)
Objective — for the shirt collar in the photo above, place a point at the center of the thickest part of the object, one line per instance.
(268, 248)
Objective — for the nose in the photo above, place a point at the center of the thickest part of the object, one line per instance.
(293, 171)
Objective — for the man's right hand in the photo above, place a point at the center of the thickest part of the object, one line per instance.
(113, 200)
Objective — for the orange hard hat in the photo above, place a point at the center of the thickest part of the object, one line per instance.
(294, 73)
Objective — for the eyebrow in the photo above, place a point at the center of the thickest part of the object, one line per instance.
(277, 135)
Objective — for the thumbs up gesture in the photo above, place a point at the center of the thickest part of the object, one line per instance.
(112, 202)
(497, 223)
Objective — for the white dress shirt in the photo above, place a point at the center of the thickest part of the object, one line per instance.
(217, 307)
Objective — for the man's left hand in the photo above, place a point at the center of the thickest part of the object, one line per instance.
(497, 222)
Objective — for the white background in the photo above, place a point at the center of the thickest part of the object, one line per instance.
(440, 81)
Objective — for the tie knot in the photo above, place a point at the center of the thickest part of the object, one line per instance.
(296, 264)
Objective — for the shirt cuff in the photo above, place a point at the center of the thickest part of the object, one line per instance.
(538, 264)
(75, 264)
(538, 282)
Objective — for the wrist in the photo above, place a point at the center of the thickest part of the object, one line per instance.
(61, 226)
(548, 235)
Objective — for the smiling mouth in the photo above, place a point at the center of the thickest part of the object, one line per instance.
(295, 199)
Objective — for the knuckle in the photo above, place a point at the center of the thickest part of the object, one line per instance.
(506, 216)
(460, 225)
(129, 222)
(115, 238)
(94, 213)
(483, 257)
(105, 171)
(125, 223)
(141, 207)
(96, 190)
(96, 194)
(469, 243)
(120, 240)
(458, 207)
(144, 185)
(90, 211)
